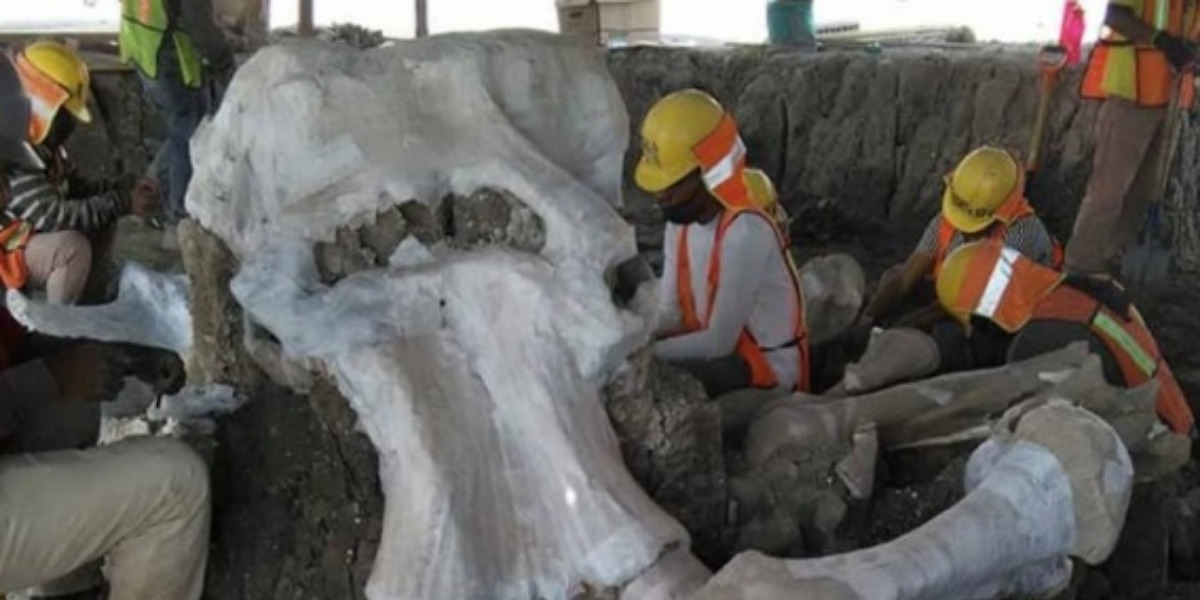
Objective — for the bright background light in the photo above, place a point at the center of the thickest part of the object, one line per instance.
(731, 20)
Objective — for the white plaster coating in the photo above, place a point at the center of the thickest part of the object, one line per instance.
(474, 374)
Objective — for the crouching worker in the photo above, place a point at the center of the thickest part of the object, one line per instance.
(732, 307)
(1011, 308)
(984, 199)
(50, 226)
(142, 504)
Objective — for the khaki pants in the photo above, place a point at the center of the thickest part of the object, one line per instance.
(142, 503)
(1129, 147)
(59, 263)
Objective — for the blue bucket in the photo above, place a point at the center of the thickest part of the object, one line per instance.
(790, 23)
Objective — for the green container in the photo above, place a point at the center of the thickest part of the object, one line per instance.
(790, 23)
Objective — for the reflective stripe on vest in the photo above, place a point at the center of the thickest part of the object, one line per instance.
(144, 28)
(1132, 346)
(998, 232)
(761, 373)
(1141, 73)
(1003, 286)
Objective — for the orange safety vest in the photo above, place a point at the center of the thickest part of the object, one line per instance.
(1153, 75)
(13, 239)
(722, 159)
(1130, 342)
(762, 375)
(1012, 290)
(1008, 215)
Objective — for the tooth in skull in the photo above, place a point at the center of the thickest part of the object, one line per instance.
(474, 373)
(1058, 486)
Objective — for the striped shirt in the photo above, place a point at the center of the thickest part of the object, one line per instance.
(1027, 235)
(35, 200)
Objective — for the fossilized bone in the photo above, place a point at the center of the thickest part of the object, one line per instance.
(150, 310)
(475, 374)
(943, 405)
(1058, 486)
(834, 287)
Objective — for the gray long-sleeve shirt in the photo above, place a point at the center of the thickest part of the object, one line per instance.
(37, 202)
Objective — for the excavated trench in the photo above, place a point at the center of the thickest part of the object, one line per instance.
(857, 144)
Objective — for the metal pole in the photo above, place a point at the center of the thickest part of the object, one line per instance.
(422, 18)
(305, 28)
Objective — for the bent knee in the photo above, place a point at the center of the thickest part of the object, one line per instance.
(172, 467)
(74, 248)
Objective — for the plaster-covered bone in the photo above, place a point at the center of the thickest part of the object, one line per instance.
(474, 373)
(892, 356)
(834, 287)
(1058, 486)
(939, 406)
(151, 310)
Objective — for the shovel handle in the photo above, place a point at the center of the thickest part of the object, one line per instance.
(1050, 61)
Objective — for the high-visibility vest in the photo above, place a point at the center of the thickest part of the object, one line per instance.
(1007, 216)
(1138, 72)
(1011, 290)
(14, 272)
(748, 348)
(145, 25)
(722, 159)
(1131, 344)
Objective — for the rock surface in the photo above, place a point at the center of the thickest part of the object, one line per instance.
(869, 137)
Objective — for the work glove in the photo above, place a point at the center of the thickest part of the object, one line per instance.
(1179, 52)
(89, 372)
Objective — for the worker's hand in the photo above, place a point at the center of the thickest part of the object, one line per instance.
(1180, 52)
(144, 200)
(89, 372)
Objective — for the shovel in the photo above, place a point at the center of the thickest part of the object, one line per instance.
(1051, 60)
(1148, 262)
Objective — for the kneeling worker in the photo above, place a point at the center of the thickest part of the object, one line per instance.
(51, 228)
(1013, 309)
(984, 199)
(736, 310)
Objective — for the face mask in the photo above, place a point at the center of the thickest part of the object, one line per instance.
(686, 212)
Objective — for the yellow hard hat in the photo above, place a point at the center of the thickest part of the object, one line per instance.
(670, 132)
(982, 183)
(762, 191)
(953, 276)
(65, 68)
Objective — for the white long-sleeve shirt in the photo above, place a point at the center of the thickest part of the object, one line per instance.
(755, 290)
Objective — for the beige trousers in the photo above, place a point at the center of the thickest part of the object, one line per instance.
(142, 503)
(1129, 146)
(59, 263)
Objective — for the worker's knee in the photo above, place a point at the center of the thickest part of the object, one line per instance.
(171, 468)
(74, 250)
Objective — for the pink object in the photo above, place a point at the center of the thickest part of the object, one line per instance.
(1071, 34)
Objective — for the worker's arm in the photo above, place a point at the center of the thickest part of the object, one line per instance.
(669, 318)
(41, 205)
(894, 288)
(745, 254)
(1121, 18)
(196, 17)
